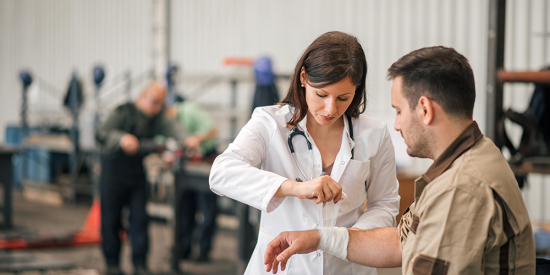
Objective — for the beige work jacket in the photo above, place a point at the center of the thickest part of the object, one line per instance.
(456, 224)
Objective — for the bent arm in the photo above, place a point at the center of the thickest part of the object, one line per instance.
(235, 173)
(197, 121)
(208, 135)
(110, 132)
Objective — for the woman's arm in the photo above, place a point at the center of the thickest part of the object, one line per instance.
(235, 173)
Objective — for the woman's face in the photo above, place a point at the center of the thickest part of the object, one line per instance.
(329, 103)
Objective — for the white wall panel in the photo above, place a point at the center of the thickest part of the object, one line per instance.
(51, 38)
(205, 32)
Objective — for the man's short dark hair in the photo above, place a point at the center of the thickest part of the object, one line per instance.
(441, 74)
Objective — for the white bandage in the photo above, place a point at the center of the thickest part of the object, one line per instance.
(334, 240)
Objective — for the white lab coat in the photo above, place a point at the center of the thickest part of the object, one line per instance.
(369, 176)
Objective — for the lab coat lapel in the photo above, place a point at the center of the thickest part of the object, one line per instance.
(343, 157)
(304, 156)
(351, 143)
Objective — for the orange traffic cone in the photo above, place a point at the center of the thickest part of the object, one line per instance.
(91, 231)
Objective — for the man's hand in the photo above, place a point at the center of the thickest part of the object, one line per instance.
(129, 144)
(192, 142)
(287, 244)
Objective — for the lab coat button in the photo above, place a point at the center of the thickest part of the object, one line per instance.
(318, 254)
(317, 165)
(343, 162)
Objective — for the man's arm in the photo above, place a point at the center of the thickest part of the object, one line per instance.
(109, 133)
(195, 141)
(376, 248)
(198, 122)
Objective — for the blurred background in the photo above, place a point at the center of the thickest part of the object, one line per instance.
(214, 46)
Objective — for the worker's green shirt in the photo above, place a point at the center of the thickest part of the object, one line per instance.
(196, 121)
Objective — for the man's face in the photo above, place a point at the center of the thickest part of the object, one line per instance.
(408, 123)
(152, 102)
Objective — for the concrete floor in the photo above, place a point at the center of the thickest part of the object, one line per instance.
(89, 260)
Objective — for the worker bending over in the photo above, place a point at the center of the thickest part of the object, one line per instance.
(123, 181)
(468, 214)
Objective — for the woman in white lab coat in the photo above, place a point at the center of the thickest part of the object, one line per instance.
(327, 91)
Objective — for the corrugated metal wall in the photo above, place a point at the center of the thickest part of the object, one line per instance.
(205, 32)
(51, 38)
(54, 38)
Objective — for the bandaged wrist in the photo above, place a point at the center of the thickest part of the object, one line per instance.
(334, 240)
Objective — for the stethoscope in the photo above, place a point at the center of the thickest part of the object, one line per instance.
(297, 132)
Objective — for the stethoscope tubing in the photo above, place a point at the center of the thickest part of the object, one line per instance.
(294, 132)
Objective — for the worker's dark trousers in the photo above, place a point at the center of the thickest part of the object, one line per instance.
(123, 184)
(206, 203)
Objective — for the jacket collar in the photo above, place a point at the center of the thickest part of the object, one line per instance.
(468, 138)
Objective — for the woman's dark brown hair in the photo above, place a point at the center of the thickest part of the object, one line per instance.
(330, 58)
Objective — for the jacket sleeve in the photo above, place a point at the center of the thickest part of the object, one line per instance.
(382, 189)
(235, 173)
(451, 233)
(109, 133)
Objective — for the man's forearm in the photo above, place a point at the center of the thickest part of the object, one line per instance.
(208, 135)
(376, 248)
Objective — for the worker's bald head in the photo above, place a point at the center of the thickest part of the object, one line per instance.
(151, 100)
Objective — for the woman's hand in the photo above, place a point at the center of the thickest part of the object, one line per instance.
(321, 189)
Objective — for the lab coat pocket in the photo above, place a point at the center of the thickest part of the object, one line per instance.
(353, 182)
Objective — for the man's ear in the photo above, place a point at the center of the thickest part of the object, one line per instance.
(425, 110)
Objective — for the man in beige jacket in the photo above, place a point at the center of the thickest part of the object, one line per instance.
(468, 214)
